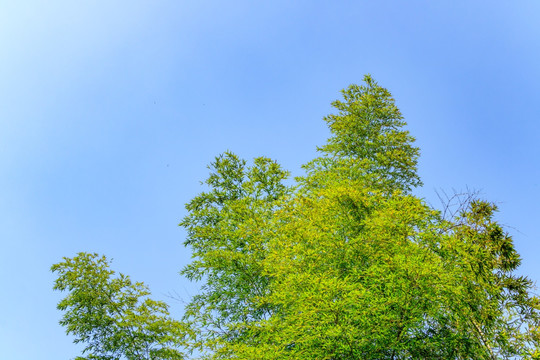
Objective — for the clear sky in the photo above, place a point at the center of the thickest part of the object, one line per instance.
(111, 110)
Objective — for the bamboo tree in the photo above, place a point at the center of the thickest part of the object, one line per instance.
(349, 264)
(113, 316)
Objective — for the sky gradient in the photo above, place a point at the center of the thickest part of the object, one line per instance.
(111, 110)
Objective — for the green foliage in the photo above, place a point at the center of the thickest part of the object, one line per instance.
(113, 316)
(348, 264)
(227, 232)
(494, 306)
(345, 264)
(368, 142)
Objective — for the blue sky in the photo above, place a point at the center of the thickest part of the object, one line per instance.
(111, 110)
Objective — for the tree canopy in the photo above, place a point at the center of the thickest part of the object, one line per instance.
(345, 262)
(113, 316)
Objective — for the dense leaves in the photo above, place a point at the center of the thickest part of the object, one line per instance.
(228, 233)
(368, 142)
(347, 263)
(343, 263)
(113, 316)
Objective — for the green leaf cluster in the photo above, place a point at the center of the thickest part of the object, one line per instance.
(347, 263)
(227, 232)
(113, 316)
(342, 263)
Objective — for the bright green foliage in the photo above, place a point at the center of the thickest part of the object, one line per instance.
(346, 264)
(113, 316)
(368, 142)
(227, 233)
(349, 264)
(494, 307)
(346, 278)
